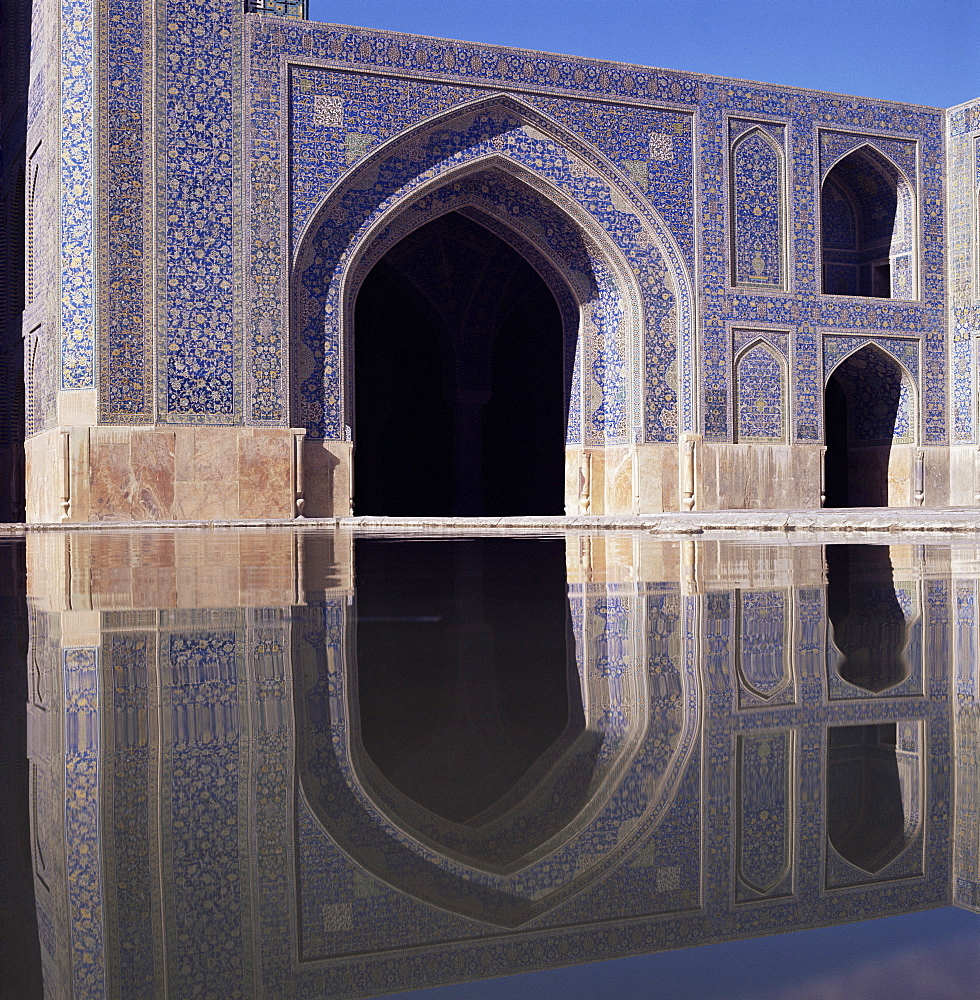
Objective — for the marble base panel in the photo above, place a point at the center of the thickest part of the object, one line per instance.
(757, 476)
(106, 473)
(964, 475)
(623, 479)
(326, 478)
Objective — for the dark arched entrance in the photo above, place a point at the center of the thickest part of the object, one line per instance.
(460, 394)
(865, 416)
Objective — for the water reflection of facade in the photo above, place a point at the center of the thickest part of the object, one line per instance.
(549, 283)
(205, 808)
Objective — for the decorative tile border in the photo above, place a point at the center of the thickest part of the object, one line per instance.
(77, 196)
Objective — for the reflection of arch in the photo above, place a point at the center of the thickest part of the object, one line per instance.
(573, 208)
(758, 231)
(764, 812)
(760, 394)
(641, 707)
(867, 213)
(869, 626)
(869, 408)
(874, 794)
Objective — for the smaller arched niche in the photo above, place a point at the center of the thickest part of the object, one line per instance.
(760, 392)
(866, 218)
(869, 415)
(758, 259)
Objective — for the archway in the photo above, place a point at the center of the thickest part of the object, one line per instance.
(868, 416)
(611, 265)
(460, 385)
(866, 210)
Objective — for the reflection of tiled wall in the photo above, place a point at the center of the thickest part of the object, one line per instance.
(260, 898)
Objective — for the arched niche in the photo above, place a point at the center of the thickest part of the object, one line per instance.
(870, 431)
(594, 794)
(760, 395)
(758, 228)
(867, 223)
(571, 214)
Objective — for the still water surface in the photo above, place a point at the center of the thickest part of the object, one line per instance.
(298, 765)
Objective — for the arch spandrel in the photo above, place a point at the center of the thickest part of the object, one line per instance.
(638, 366)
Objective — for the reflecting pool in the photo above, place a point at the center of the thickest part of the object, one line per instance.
(304, 764)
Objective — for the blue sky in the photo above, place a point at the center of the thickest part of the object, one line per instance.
(917, 51)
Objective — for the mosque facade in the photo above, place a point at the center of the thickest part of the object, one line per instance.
(278, 268)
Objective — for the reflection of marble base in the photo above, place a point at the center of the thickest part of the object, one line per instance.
(161, 473)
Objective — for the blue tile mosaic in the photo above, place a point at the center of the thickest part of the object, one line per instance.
(760, 393)
(77, 196)
(757, 210)
(125, 362)
(199, 369)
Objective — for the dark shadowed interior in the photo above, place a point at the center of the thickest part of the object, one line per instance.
(460, 393)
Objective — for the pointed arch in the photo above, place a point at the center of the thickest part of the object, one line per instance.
(906, 427)
(391, 177)
(870, 421)
(760, 394)
(757, 182)
(577, 218)
(880, 257)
